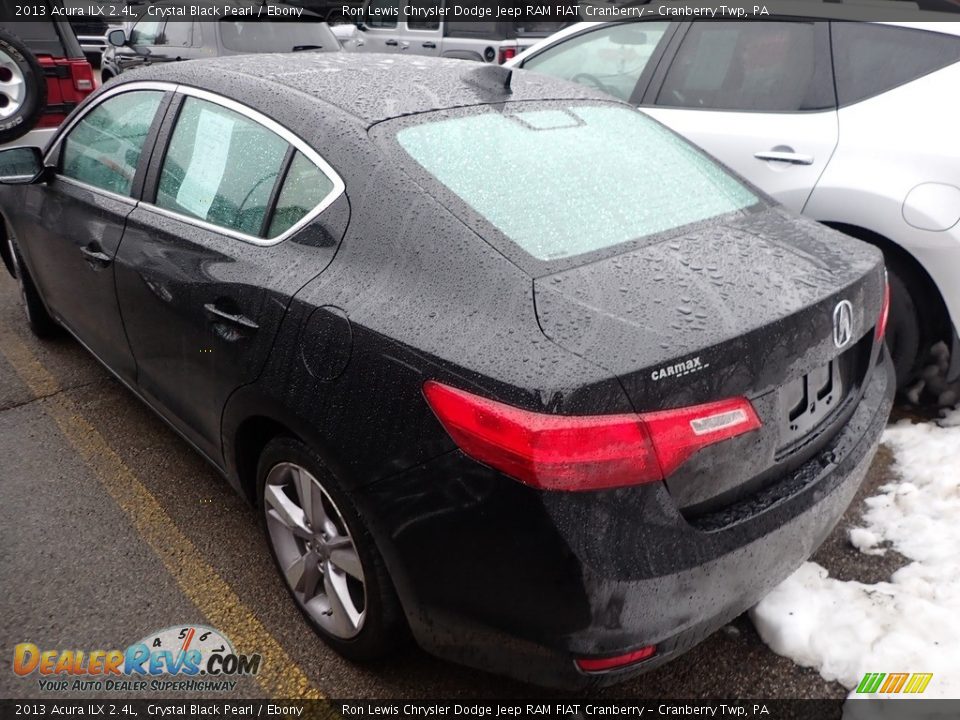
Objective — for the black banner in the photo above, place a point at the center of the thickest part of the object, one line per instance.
(481, 11)
(867, 709)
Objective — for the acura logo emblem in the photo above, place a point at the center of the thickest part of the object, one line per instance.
(842, 323)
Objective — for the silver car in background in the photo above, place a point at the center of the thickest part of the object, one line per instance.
(850, 123)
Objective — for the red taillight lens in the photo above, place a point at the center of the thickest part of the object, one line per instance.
(576, 453)
(507, 53)
(884, 311)
(592, 665)
(82, 74)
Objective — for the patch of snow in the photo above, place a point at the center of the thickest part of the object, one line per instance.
(910, 623)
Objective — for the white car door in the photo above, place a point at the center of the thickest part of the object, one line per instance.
(380, 32)
(758, 96)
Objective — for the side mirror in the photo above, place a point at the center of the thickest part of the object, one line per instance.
(117, 38)
(21, 166)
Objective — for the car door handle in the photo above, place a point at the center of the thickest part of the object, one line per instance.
(95, 256)
(240, 321)
(791, 158)
(431, 45)
(391, 43)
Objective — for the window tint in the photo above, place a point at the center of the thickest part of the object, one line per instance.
(538, 28)
(755, 66)
(486, 29)
(423, 15)
(146, 32)
(103, 148)
(382, 13)
(871, 59)
(304, 187)
(177, 34)
(611, 59)
(263, 36)
(639, 178)
(220, 167)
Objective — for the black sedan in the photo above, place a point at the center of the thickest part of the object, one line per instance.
(502, 361)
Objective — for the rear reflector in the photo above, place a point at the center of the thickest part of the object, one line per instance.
(577, 453)
(593, 665)
(884, 311)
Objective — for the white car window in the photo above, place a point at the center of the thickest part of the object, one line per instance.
(611, 58)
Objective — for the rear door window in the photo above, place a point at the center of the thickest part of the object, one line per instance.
(751, 66)
(220, 167)
(612, 58)
(264, 36)
(382, 13)
(146, 32)
(177, 34)
(103, 149)
(871, 59)
(423, 14)
(638, 178)
(304, 187)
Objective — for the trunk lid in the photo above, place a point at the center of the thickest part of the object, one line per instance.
(744, 307)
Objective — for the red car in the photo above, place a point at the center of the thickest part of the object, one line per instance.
(43, 76)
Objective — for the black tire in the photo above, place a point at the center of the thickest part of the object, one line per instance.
(39, 320)
(16, 58)
(903, 330)
(384, 626)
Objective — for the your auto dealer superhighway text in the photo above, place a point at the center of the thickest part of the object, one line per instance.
(561, 710)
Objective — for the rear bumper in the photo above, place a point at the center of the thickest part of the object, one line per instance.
(503, 578)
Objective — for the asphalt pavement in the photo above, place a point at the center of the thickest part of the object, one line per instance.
(111, 527)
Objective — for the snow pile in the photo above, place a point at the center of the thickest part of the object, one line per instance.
(909, 624)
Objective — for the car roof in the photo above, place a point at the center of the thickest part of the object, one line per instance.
(370, 87)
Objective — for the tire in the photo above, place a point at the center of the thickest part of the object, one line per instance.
(903, 330)
(359, 618)
(23, 88)
(39, 320)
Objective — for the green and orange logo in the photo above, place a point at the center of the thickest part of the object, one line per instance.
(890, 683)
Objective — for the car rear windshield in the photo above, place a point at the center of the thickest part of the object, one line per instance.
(576, 179)
(257, 36)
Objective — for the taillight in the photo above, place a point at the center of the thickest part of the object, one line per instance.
(576, 453)
(82, 74)
(506, 53)
(884, 311)
(605, 664)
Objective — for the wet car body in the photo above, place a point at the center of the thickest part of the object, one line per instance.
(390, 288)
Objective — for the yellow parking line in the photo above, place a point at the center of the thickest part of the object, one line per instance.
(279, 676)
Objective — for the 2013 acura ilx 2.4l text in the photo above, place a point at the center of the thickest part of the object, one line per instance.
(501, 360)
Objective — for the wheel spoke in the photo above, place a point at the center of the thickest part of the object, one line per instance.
(294, 572)
(343, 555)
(286, 511)
(303, 484)
(345, 617)
(311, 578)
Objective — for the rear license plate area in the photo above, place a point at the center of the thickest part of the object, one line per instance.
(808, 402)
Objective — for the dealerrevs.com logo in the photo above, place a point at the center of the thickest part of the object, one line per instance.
(192, 658)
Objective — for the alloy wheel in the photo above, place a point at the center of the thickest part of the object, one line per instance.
(13, 86)
(315, 550)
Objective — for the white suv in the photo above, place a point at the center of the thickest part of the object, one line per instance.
(852, 124)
